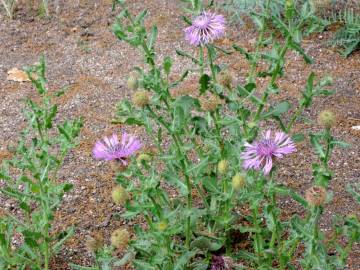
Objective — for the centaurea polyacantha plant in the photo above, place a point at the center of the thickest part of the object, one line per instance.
(205, 182)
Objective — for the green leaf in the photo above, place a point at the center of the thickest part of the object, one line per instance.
(167, 65)
(154, 33)
(317, 146)
(180, 263)
(184, 54)
(298, 137)
(179, 120)
(281, 108)
(340, 144)
(205, 244)
(67, 187)
(204, 83)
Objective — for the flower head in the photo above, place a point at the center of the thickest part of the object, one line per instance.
(133, 82)
(223, 166)
(111, 149)
(238, 182)
(94, 243)
(221, 263)
(120, 238)
(141, 99)
(316, 195)
(119, 195)
(205, 28)
(210, 102)
(260, 154)
(327, 118)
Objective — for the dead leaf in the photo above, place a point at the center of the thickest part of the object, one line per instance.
(17, 75)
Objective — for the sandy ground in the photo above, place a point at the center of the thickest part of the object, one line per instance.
(86, 60)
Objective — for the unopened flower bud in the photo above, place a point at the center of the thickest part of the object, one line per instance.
(327, 118)
(143, 158)
(316, 195)
(251, 124)
(93, 244)
(138, 29)
(120, 238)
(119, 195)
(223, 166)
(225, 78)
(141, 99)
(162, 225)
(133, 82)
(238, 182)
(210, 103)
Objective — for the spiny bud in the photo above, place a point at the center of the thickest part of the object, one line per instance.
(162, 225)
(210, 103)
(327, 118)
(143, 158)
(223, 166)
(119, 195)
(316, 195)
(141, 99)
(225, 78)
(133, 82)
(139, 29)
(238, 182)
(251, 124)
(93, 244)
(120, 238)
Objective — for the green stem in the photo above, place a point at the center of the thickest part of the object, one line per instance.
(212, 67)
(274, 77)
(294, 118)
(258, 238)
(201, 60)
(253, 63)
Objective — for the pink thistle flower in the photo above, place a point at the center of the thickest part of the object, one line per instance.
(260, 154)
(111, 149)
(205, 28)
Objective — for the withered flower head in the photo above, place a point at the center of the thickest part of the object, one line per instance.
(94, 243)
(120, 238)
(316, 195)
(210, 102)
(141, 98)
(225, 78)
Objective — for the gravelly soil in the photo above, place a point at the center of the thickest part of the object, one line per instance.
(84, 58)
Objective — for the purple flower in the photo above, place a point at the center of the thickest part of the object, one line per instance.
(260, 154)
(205, 28)
(111, 149)
(221, 263)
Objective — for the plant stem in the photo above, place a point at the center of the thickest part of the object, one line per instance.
(212, 67)
(274, 76)
(201, 60)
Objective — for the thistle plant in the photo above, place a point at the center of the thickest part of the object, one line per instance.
(210, 173)
(30, 181)
(348, 36)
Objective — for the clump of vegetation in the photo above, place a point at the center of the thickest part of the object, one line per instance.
(30, 181)
(348, 36)
(213, 155)
(9, 6)
(43, 9)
